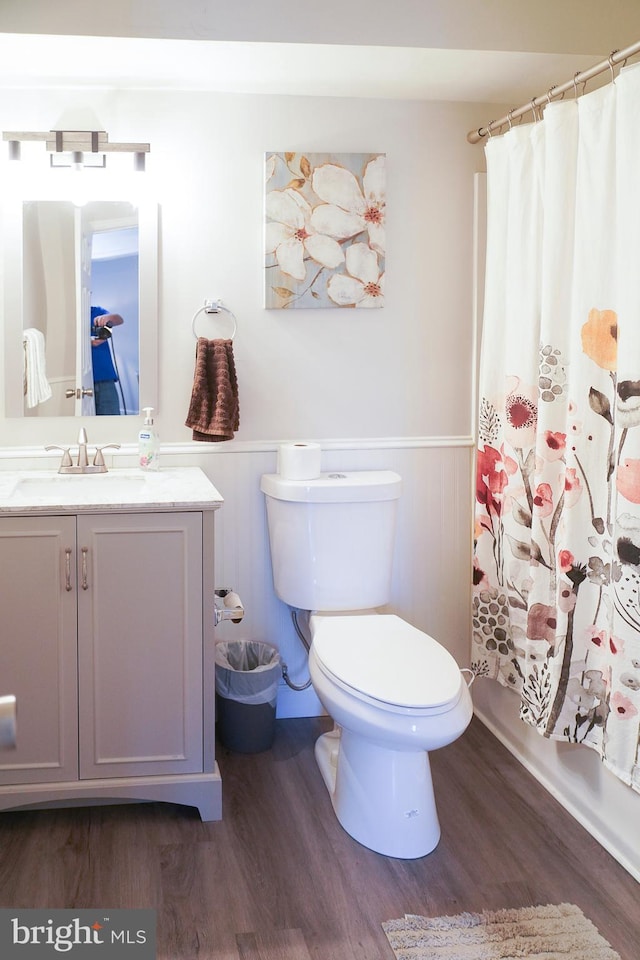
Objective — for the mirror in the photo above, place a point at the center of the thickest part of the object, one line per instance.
(80, 307)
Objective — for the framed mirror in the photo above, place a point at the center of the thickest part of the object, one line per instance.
(80, 308)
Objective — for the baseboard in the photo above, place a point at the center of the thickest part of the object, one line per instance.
(565, 801)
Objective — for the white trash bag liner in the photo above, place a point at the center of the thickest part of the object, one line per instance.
(248, 671)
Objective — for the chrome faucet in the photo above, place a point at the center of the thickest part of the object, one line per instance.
(83, 466)
(82, 448)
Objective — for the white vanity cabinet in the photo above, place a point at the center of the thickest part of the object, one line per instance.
(106, 640)
(140, 683)
(38, 647)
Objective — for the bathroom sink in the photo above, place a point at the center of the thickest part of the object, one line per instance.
(109, 484)
(40, 491)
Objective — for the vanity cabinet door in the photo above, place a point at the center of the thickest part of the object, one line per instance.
(140, 644)
(38, 646)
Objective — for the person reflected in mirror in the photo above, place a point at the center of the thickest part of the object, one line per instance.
(105, 376)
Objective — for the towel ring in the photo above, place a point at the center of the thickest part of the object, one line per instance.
(214, 306)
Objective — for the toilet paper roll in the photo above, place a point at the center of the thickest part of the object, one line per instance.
(233, 602)
(7, 722)
(299, 461)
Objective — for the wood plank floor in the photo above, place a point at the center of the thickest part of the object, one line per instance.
(278, 878)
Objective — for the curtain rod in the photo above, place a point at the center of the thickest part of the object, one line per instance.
(618, 56)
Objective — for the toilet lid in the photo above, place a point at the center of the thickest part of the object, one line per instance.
(386, 658)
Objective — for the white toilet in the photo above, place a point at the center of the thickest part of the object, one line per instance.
(393, 692)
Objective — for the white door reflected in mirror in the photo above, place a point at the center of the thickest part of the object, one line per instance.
(80, 306)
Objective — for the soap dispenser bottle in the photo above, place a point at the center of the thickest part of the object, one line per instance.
(148, 443)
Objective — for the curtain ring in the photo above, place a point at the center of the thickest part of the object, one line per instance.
(509, 118)
(575, 84)
(610, 59)
(534, 110)
(489, 129)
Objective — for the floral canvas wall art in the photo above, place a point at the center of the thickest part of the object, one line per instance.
(325, 230)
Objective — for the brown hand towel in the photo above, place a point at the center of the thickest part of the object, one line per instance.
(214, 411)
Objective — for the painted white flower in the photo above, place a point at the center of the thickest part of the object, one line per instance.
(363, 286)
(348, 210)
(290, 234)
(270, 167)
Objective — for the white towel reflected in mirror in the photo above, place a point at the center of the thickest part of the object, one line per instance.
(36, 385)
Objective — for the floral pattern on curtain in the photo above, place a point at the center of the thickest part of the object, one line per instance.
(557, 526)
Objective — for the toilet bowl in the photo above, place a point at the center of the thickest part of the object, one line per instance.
(393, 692)
(397, 695)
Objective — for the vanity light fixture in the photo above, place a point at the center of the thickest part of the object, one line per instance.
(77, 148)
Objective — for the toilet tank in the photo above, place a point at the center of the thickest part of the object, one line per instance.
(332, 538)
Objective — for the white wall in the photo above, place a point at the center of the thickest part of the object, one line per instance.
(323, 373)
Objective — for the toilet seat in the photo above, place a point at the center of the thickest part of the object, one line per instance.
(384, 658)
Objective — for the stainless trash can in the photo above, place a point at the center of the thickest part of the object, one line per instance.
(247, 676)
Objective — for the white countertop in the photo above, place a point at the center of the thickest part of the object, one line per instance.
(118, 490)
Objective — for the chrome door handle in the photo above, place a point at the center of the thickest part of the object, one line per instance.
(78, 393)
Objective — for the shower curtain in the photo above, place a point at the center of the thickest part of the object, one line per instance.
(557, 525)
